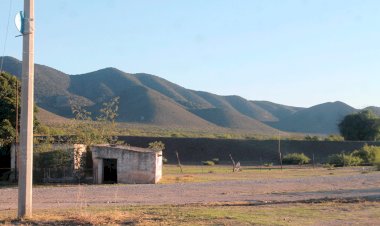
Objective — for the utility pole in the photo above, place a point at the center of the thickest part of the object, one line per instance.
(27, 105)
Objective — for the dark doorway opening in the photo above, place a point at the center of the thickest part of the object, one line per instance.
(5, 162)
(110, 171)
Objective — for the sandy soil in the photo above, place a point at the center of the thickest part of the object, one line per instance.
(363, 186)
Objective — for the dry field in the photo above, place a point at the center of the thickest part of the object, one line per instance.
(213, 195)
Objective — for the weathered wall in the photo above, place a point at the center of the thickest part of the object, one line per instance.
(200, 149)
(132, 166)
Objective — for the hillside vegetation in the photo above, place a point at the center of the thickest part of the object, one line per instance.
(151, 100)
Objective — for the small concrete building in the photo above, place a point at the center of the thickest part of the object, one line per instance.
(126, 164)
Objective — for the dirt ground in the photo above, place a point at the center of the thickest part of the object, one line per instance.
(347, 184)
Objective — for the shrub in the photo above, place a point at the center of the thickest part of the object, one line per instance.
(376, 161)
(344, 160)
(215, 160)
(367, 153)
(334, 138)
(295, 158)
(208, 163)
(157, 146)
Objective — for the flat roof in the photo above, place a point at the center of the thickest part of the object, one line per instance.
(125, 147)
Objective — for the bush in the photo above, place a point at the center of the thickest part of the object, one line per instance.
(215, 160)
(367, 154)
(295, 159)
(334, 138)
(157, 146)
(376, 162)
(344, 160)
(208, 163)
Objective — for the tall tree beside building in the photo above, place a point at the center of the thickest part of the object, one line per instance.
(8, 94)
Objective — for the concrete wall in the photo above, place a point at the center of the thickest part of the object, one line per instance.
(195, 150)
(134, 165)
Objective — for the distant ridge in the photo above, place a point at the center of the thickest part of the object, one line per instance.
(149, 99)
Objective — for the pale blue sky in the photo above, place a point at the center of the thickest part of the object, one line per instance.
(294, 52)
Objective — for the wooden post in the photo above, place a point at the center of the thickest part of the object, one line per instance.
(179, 162)
(233, 163)
(27, 107)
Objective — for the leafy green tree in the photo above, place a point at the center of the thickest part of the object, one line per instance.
(360, 126)
(87, 131)
(109, 111)
(8, 95)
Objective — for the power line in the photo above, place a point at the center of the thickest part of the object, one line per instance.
(6, 35)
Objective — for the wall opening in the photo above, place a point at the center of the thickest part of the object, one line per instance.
(5, 162)
(109, 171)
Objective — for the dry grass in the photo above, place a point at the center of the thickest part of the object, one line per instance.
(325, 213)
(194, 173)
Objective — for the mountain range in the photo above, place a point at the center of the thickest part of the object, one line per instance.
(149, 99)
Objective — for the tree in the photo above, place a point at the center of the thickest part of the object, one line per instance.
(360, 126)
(102, 130)
(8, 102)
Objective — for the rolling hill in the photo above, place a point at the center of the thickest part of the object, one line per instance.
(322, 118)
(149, 99)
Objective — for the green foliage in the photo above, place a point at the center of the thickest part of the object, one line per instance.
(157, 146)
(109, 110)
(360, 126)
(7, 132)
(215, 160)
(311, 138)
(376, 163)
(9, 90)
(344, 160)
(90, 132)
(208, 163)
(8, 95)
(367, 153)
(295, 159)
(333, 137)
(80, 113)
(53, 159)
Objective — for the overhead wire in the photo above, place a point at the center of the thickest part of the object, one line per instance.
(6, 35)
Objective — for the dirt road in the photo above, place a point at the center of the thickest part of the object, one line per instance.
(253, 191)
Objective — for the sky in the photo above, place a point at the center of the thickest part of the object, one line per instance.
(293, 52)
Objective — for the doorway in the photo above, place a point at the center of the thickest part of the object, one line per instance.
(5, 162)
(109, 171)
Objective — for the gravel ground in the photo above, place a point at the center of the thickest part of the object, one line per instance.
(253, 191)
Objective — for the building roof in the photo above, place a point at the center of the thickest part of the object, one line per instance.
(125, 147)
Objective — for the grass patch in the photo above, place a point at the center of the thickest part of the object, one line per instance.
(336, 213)
(201, 173)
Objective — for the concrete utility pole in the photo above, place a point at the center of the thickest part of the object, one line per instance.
(27, 105)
